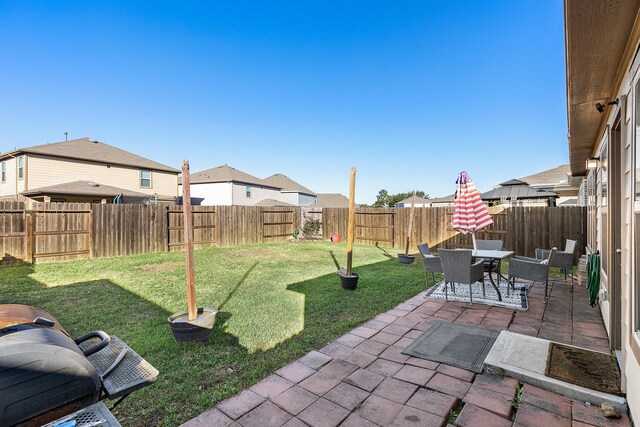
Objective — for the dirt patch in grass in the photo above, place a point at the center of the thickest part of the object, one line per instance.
(159, 268)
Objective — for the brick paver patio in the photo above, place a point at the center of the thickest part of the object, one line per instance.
(363, 379)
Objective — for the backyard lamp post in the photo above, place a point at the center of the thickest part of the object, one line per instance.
(348, 278)
(405, 258)
(195, 324)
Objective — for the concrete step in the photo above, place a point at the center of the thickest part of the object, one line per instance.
(525, 358)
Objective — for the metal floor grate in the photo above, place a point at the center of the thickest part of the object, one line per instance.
(96, 415)
(132, 373)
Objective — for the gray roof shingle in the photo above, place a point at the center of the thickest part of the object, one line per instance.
(227, 174)
(83, 188)
(90, 150)
(287, 184)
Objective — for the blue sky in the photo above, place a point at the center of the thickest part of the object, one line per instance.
(408, 92)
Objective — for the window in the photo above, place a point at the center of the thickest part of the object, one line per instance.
(20, 167)
(247, 191)
(3, 171)
(145, 178)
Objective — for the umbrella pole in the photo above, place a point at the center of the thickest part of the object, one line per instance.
(473, 237)
(352, 220)
(188, 241)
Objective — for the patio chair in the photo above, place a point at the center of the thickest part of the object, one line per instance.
(430, 261)
(562, 259)
(490, 245)
(533, 269)
(458, 268)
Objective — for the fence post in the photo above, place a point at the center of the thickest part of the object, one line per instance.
(91, 252)
(30, 226)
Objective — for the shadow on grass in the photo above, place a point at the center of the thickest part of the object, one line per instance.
(195, 377)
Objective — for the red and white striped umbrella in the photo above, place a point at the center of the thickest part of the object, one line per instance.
(470, 214)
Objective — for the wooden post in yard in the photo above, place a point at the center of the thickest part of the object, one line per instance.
(410, 227)
(188, 241)
(352, 221)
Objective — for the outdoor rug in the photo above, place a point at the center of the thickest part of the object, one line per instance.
(462, 346)
(586, 368)
(517, 299)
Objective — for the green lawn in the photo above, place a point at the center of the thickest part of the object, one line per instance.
(276, 302)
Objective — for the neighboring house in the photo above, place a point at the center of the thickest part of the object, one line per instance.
(273, 203)
(559, 181)
(442, 201)
(82, 170)
(603, 106)
(331, 200)
(292, 192)
(225, 185)
(418, 202)
(518, 193)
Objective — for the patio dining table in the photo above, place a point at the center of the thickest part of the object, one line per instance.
(494, 257)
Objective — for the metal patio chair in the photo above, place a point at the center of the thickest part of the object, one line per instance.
(458, 268)
(562, 259)
(431, 263)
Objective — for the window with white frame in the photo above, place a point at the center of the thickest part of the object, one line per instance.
(20, 167)
(145, 178)
(247, 191)
(3, 171)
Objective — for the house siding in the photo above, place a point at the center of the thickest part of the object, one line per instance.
(8, 188)
(43, 171)
(257, 193)
(213, 193)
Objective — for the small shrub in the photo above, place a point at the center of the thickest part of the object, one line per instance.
(311, 227)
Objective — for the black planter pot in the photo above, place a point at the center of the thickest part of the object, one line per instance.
(198, 330)
(406, 259)
(349, 282)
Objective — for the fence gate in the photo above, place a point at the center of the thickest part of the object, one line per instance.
(204, 227)
(376, 227)
(13, 234)
(278, 223)
(59, 232)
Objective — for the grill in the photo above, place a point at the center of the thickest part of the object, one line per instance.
(45, 374)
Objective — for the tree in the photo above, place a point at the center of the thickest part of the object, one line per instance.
(385, 200)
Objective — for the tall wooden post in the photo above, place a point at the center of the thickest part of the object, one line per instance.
(410, 227)
(188, 240)
(352, 220)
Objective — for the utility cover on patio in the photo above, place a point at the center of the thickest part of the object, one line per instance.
(458, 345)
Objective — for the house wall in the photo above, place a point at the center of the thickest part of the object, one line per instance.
(214, 193)
(8, 188)
(305, 199)
(291, 198)
(604, 226)
(45, 171)
(257, 193)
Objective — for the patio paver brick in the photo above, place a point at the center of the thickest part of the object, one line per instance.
(452, 371)
(350, 340)
(385, 367)
(592, 415)
(414, 374)
(240, 404)
(504, 385)
(315, 359)
(489, 400)
(379, 410)
(472, 416)
(365, 379)
(531, 416)
(319, 383)
(409, 416)
(339, 369)
(346, 395)
(265, 415)
(394, 354)
(396, 329)
(547, 400)
(433, 401)
(395, 390)
(357, 421)
(372, 347)
(212, 417)
(323, 413)
(335, 349)
(295, 400)
(359, 358)
(423, 363)
(449, 385)
(385, 338)
(295, 372)
(272, 386)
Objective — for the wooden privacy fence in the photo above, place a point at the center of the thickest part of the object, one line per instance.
(64, 231)
(523, 229)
